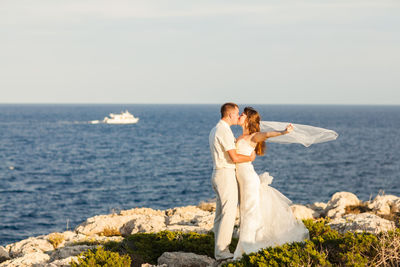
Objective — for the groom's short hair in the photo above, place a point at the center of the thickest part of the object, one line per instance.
(225, 108)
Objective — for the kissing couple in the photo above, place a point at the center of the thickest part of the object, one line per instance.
(265, 215)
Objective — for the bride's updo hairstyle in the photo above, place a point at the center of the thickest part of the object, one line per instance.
(253, 124)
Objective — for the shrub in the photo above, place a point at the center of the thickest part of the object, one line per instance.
(326, 247)
(357, 209)
(101, 257)
(294, 254)
(147, 247)
(56, 239)
(87, 241)
(110, 231)
(388, 249)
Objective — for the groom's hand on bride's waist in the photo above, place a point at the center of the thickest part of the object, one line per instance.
(239, 158)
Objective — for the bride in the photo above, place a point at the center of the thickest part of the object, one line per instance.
(265, 215)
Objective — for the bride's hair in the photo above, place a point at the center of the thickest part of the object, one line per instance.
(253, 124)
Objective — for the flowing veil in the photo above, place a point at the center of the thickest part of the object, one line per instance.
(301, 134)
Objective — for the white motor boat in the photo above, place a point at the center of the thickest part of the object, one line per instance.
(123, 118)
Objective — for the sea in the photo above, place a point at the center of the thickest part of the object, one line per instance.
(57, 169)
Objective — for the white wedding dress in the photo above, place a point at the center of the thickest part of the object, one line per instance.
(265, 215)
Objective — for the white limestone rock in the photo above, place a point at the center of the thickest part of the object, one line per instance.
(184, 259)
(206, 222)
(318, 208)
(185, 215)
(4, 254)
(368, 222)
(68, 236)
(144, 224)
(71, 238)
(28, 259)
(150, 265)
(396, 205)
(382, 203)
(97, 224)
(337, 205)
(302, 212)
(189, 219)
(30, 245)
(208, 206)
(63, 262)
(66, 252)
(142, 211)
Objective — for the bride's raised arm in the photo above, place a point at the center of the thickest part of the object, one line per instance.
(262, 136)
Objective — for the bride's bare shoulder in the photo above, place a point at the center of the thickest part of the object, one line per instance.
(245, 137)
(251, 138)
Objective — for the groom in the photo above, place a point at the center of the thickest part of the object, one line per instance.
(223, 151)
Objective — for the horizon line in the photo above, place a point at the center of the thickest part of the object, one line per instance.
(160, 103)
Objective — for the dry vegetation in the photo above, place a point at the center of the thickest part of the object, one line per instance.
(357, 209)
(56, 239)
(110, 231)
(207, 206)
(388, 249)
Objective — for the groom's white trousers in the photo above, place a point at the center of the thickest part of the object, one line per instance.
(226, 188)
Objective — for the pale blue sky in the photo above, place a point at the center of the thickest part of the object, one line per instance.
(179, 51)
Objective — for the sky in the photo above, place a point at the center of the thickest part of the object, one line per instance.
(198, 52)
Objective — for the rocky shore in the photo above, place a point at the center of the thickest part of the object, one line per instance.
(344, 210)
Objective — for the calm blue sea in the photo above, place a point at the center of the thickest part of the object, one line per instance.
(56, 169)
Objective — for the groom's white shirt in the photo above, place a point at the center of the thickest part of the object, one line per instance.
(221, 140)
